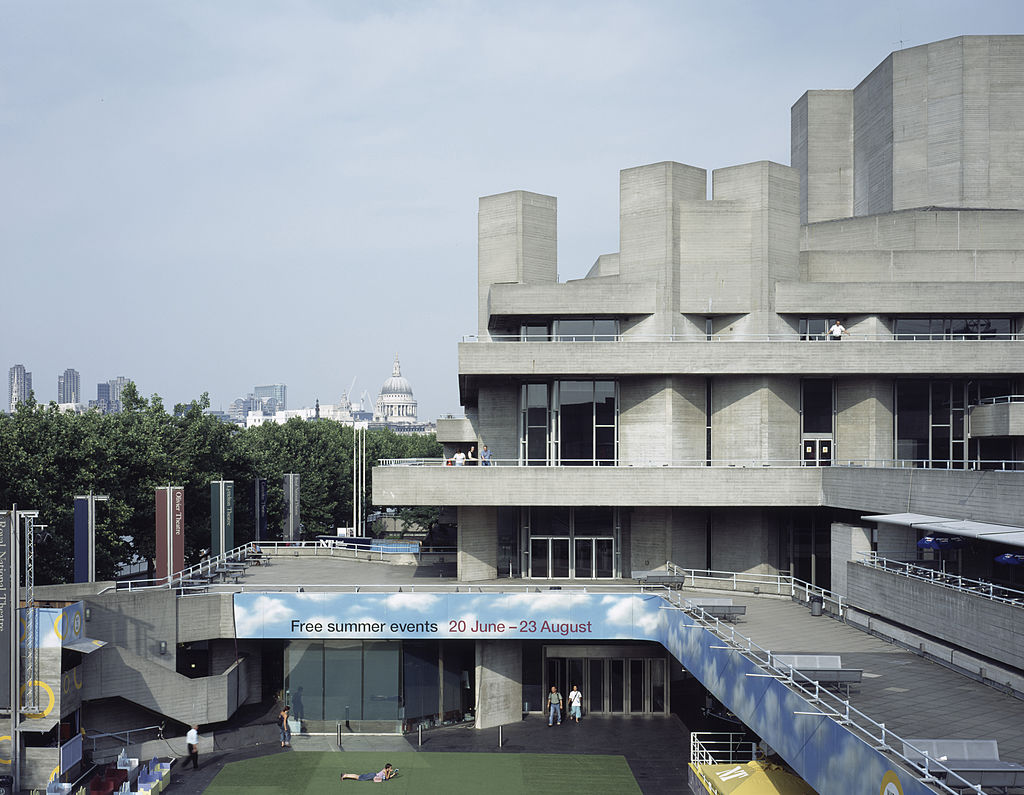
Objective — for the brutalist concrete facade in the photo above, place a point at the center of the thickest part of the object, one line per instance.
(903, 203)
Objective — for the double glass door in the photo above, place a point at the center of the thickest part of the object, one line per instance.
(579, 558)
(635, 685)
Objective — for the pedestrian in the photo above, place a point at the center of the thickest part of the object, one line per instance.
(555, 704)
(575, 701)
(192, 738)
(471, 456)
(282, 724)
(836, 332)
(459, 458)
(485, 456)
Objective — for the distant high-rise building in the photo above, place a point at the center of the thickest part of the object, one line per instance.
(20, 383)
(69, 386)
(116, 385)
(278, 392)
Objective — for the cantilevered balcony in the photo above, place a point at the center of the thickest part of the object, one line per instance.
(995, 492)
(741, 355)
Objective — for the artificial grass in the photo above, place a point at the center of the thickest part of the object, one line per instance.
(318, 772)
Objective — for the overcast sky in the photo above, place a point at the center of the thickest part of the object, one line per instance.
(205, 195)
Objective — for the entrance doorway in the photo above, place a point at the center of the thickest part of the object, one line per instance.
(633, 685)
(579, 558)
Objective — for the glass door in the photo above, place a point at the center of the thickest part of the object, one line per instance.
(539, 553)
(549, 558)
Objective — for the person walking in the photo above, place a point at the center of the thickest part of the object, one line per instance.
(555, 706)
(282, 724)
(192, 738)
(575, 702)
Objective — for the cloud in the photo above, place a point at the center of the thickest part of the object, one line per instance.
(264, 611)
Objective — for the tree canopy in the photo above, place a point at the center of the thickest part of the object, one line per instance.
(47, 457)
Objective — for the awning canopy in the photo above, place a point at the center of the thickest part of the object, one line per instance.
(983, 531)
(85, 645)
(755, 778)
(41, 725)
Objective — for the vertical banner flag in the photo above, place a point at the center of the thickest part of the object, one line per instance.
(170, 531)
(291, 507)
(259, 512)
(222, 516)
(7, 611)
(82, 539)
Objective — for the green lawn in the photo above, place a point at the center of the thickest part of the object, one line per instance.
(423, 773)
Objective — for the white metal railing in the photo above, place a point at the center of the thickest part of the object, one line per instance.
(1005, 465)
(712, 748)
(741, 337)
(983, 588)
(828, 705)
(1001, 399)
(750, 582)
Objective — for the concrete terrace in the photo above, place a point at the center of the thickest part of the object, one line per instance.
(914, 697)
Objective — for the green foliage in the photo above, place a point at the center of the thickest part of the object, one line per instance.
(48, 457)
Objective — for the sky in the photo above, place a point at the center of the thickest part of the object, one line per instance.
(207, 195)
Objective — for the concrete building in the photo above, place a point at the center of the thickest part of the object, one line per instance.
(69, 387)
(19, 382)
(684, 413)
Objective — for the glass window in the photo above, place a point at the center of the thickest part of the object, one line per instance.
(636, 685)
(535, 332)
(381, 684)
(616, 685)
(606, 330)
(586, 330)
(595, 696)
(956, 328)
(304, 676)
(420, 680)
(814, 328)
(343, 686)
(817, 405)
(912, 420)
(657, 685)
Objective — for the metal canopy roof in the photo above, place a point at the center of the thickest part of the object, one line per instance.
(984, 531)
(85, 645)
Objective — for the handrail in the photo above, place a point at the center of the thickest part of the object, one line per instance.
(740, 337)
(1000, 399)
(782, 583)
(983, 588)
(1005, 465)
(842, 711)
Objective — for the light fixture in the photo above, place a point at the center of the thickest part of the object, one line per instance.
(88, 614)
(163, 647)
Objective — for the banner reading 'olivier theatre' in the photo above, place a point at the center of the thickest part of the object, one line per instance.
(170, 531)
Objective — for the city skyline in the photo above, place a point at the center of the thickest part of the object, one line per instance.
(262, 195)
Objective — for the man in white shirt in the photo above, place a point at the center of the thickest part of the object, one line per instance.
(192, 738)
(836, 331)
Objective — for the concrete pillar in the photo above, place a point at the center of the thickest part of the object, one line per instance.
(517, 242)
(478, 543)
(689, 542)
(497, 416)
(755, 418)
(848, 540)
(864, 420)
(897, 542)
(499, 683)
(662, 419)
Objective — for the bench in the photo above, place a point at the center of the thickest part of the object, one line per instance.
(825, 669)
(657, 577)
(975, 761)
(720, 608)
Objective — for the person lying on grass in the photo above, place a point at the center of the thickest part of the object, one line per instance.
(383, 775)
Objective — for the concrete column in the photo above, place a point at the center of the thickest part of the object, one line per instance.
(897, 542)
(498, 419)
(821, 150)
(847, 541)
(688, 542)
(478, 543)
(649, 539)
(661, 419)
(499, 683)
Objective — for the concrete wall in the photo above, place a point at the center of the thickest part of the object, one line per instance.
(985, 627)
(499, 678)
(999, 419)
(478, 541)
(205, 616)
(848, 540)
(661, 420)
(517, 242)
(745, 540)
(498, 418)
(136, 621)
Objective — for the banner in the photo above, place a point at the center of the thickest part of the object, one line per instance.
(292, 522)
(222, 516)
(170, 531)
(82, 539)
(259, 492)
(6, 602)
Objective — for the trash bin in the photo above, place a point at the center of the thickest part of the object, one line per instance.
(817, 603)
